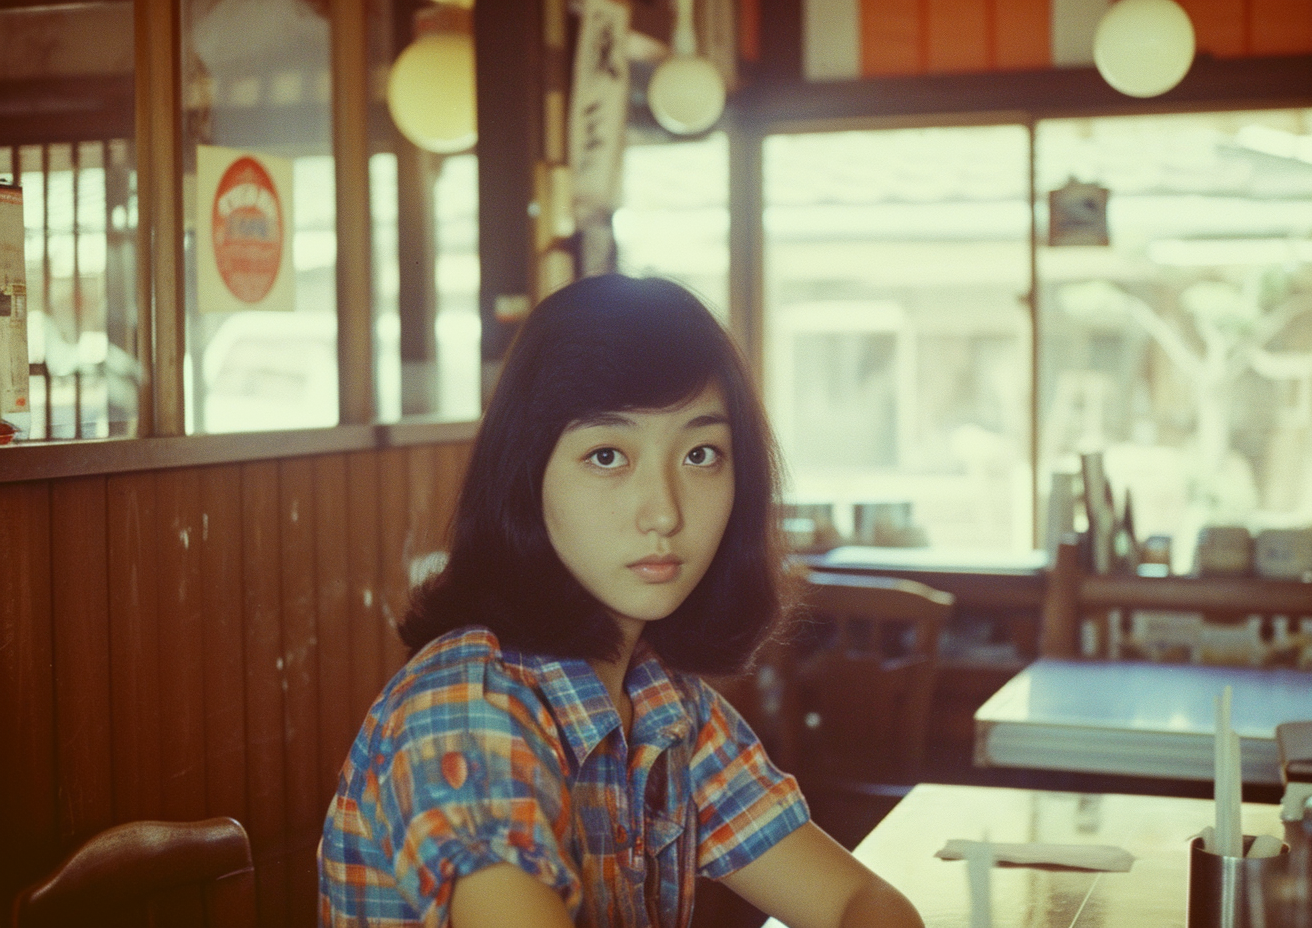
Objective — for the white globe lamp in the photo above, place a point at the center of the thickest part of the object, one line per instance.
(1144, 47)
(686, 92)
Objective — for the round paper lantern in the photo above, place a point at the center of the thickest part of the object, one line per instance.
(430, 92)
(1144, 47)
(686, 94)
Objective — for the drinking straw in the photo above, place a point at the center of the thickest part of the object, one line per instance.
(1228, 781)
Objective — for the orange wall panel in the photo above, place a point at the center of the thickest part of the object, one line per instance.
(891, 37)
(958, 35)
(1220, 26)
(1280, 27)
(1022, 34)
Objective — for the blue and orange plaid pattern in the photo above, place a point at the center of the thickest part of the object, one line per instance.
(473, 756)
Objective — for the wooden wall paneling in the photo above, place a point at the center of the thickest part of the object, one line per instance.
(1022, 34)
(337, 722)
(80, 600)
(262, 627)
(452, 463)
(27, 703)
(1220, 26)
(397, 546)
(134, 652)
(364, 589)
(223, 634)
(1280, 27)
(425, 501)
(181, 643)
(890, 37)
(180, 541)
(300, 681)
(958, 35)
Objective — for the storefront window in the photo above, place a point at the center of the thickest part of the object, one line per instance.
(897, 335)
(260, 213)
(69, 332)
(1182, 348)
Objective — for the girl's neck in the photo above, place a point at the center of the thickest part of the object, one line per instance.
(612, 672)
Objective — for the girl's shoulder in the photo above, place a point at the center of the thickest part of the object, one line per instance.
(465, 667)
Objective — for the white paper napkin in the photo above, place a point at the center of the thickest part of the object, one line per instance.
(1037, 853)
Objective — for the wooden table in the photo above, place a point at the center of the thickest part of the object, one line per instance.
(1155, 829)
(1137, 718)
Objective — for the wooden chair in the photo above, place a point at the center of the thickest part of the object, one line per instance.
(149, 873)
(864, 683)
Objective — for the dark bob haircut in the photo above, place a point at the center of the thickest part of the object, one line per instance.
(605, 344)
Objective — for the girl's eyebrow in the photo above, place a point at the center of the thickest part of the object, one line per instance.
(710, 418)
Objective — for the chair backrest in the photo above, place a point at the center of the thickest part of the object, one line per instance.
(864, 692)
(149, 873)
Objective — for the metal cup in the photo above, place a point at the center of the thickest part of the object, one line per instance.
(1226, 892)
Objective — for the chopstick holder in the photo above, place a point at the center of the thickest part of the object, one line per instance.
(1041, 854)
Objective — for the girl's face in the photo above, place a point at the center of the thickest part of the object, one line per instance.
(635, 503)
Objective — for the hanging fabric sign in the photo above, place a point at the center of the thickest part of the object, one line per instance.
(598, 108)
(243, 231)
(13, 304)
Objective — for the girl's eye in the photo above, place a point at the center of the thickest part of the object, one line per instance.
(703, 456)
(606, 458)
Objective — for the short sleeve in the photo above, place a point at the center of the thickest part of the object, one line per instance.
(472, 780)
(745, 804)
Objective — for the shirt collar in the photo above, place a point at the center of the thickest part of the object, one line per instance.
(583, 709)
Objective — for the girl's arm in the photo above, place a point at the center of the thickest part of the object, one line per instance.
(502, 895)
(808, 880)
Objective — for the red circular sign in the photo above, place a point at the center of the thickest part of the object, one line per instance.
(248, 232)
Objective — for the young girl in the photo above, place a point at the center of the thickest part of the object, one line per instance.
(548, 757)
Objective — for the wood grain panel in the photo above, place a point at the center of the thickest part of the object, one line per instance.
(1022, 34)
(27, 708)
(300, 681)
(337, 723)
(262, 624)
(958, 35)
(1220, 26)
(80, 599)
(1280, 27)
(891, 37)
(181, 643)
(363, 580)
(225, 690)
(397, 546)
(134, 646)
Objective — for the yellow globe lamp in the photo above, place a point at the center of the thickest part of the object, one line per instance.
(431, 89)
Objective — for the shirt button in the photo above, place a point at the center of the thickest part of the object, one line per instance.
(621, 835)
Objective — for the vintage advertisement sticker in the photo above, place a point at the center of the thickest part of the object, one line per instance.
(13, 304)
(243, 231)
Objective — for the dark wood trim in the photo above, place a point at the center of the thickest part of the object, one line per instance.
(1211, 84)
(66, 109)
(161, 269)
(52, 460)
(1238, 595)
(355, 348)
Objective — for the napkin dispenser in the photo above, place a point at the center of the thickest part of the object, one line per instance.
(1294, 743)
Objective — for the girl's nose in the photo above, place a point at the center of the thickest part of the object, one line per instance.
(658, 504)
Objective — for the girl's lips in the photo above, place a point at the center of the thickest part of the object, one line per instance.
(656, 570)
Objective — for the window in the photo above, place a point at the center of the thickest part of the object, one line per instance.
(897, 335)
(674, 221)
(1183, 349)
(79, 223)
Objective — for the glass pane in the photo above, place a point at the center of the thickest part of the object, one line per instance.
(897, 336)
(674, 221)
(77, 175)
(1182, 350)
(260, 216)
(459, 327)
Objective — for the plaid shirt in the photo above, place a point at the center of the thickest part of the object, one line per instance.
(473, 756)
